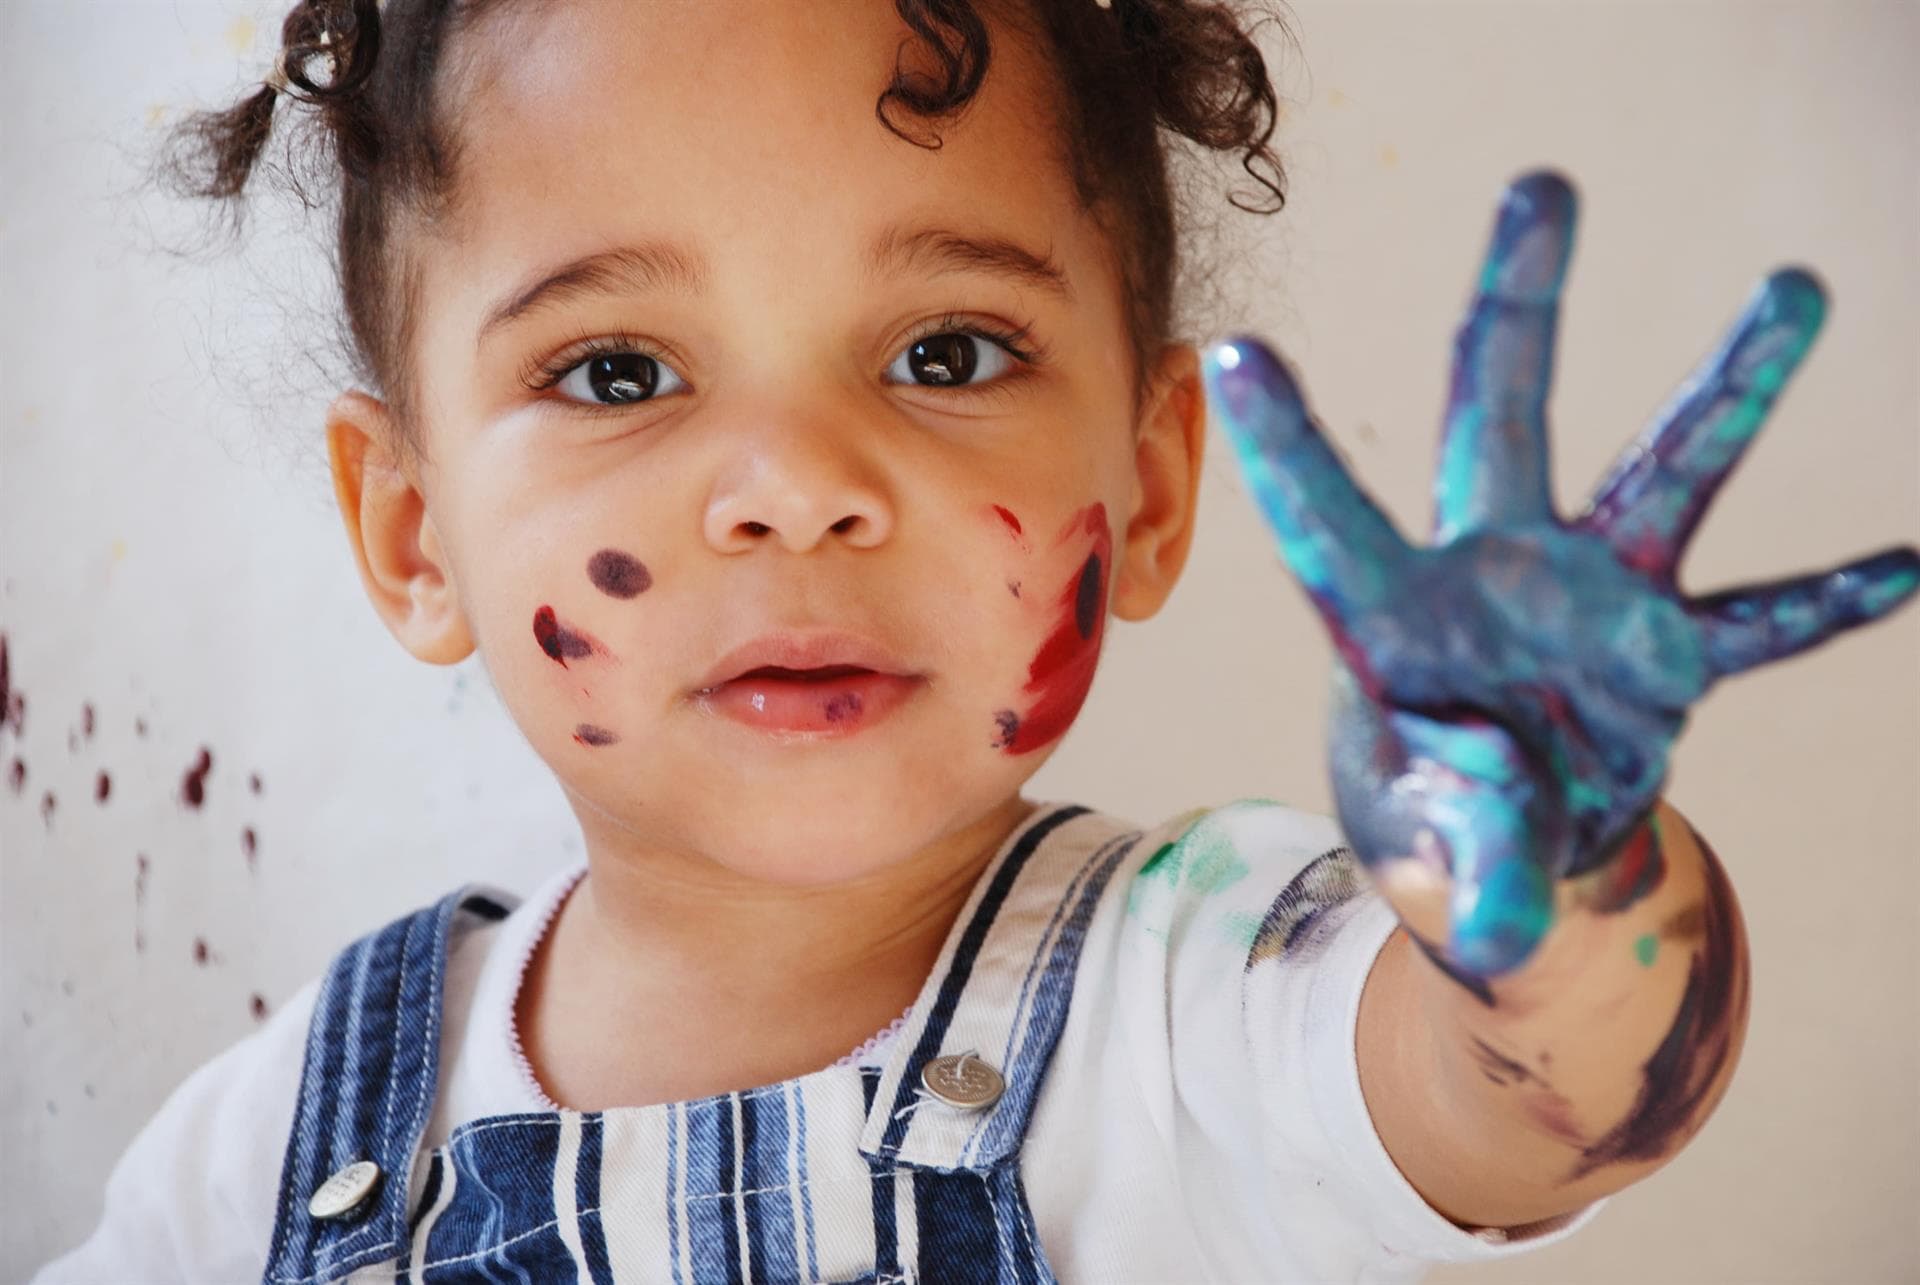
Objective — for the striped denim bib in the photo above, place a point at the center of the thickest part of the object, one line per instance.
(845, 1174)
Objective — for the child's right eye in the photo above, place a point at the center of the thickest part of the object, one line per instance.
(614, 376)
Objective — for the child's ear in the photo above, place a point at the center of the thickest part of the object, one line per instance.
(1169, 444)
(401, 560)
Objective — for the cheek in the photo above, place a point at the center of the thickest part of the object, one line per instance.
(1061, 672)
(563, 641)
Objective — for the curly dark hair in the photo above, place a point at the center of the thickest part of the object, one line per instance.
(1126, 72)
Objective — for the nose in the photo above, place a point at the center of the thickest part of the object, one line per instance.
(799, 484)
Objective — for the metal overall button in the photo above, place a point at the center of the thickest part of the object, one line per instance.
(963, 1081)
(344, 1193)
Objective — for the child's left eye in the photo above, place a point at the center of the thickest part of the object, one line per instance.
(953, 360)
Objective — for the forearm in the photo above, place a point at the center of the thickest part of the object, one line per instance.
(1589, 1066)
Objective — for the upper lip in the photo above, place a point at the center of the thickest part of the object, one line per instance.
(800, 651)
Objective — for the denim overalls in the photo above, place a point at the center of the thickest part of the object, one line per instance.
(910, 1172)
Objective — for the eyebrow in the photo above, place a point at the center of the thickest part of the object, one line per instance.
(943, 250)
(651, 265)
(660, 265)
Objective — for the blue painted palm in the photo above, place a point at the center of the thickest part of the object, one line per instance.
(1507, 696)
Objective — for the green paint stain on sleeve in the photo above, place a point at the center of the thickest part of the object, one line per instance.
(1240, 927)
(1645, 949)
(1201, 861)
(1156, 861)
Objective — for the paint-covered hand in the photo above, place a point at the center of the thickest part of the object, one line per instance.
(1507, 696)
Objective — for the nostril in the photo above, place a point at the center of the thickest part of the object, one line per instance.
(756, 528)
(846, 524)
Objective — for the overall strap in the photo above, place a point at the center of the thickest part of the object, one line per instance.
(998, 994)
(366, 1089)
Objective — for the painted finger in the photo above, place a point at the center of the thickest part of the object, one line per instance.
(1340, 546)
(1483, 813)
(1493, 446)
(1756, 624)
(1649, 505)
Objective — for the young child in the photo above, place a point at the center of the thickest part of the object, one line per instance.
(780, 397)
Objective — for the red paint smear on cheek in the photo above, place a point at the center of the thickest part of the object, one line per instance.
(1062, 671)
(561, 642)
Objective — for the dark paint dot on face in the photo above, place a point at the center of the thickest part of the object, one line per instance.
(556, 640)
(619, 574)
(193, 786)
(590, 734)
(1086, 605)
(102, 786)
(1013, 587)
(1006, 728)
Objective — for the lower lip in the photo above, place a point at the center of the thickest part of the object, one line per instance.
(829, 708)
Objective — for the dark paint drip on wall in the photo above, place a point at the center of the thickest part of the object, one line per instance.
(201, 953)
(140, 869)
(86, 721)
(1677, 1079)
(592, 734)
(253, 782)
(17, 775)
(139, 727)
(250, 845)
(258, 1007)
(193, 786)
(102, 786)
(47, 804)
(619, 575)
(558, 641)
(6, 684)
(1062, 671)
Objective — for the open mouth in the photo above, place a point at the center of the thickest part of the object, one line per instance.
(824, 701)
(818, 674)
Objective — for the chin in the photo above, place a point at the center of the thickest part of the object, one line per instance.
(806, 824)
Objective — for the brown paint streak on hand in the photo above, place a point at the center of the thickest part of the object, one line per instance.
(1595, 1063)
(1686, 1076)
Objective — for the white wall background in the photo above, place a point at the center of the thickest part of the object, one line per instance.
(171, 560)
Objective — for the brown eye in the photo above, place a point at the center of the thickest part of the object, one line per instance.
(949, 359)
(616, 379)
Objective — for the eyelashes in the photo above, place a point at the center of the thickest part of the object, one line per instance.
(1017, 341)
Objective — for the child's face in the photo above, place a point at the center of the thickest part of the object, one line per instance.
(788, 472)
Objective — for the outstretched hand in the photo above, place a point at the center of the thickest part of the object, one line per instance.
(1506, 697)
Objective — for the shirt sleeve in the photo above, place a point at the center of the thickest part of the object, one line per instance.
(1273, 895)
(193, 1198)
